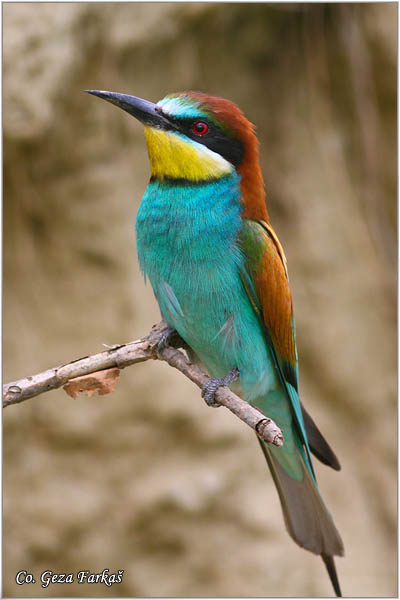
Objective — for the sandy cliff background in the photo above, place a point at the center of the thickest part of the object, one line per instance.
(149, 479)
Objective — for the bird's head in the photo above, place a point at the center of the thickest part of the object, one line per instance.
(199, 138)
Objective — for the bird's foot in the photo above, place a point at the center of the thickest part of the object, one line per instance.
(169, 337)
(209, 389)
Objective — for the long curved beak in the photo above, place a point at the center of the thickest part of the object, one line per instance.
(146, 112)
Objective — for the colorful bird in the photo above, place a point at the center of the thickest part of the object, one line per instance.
(219, 275)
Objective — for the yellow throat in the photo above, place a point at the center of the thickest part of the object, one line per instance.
(174, 157)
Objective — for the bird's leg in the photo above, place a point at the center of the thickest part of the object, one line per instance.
(209, 389)
(170, 337)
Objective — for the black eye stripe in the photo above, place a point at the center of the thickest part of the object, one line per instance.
(214, 138)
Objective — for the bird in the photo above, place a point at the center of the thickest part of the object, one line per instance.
(219, 274)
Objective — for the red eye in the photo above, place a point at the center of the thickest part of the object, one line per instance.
(199, 128)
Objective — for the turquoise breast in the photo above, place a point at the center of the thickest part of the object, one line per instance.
(187, 243)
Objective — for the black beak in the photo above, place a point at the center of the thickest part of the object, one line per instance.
(146, 112)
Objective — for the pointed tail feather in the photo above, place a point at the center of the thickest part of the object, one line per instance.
(330, 567)
(307, 519)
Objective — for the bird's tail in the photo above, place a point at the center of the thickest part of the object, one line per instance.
(331, 568)
(307, 519)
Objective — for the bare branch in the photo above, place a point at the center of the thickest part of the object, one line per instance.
(129, 354)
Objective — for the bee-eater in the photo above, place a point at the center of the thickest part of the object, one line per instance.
(219, 274)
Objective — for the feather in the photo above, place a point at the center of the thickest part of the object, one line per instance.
(318, 444)
(306, 517)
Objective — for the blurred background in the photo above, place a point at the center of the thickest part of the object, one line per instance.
(149, 479)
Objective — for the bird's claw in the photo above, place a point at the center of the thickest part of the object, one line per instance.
(169, 337)
(209, 389)
(162, 341)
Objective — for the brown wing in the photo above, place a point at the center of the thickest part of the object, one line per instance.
(266, 265)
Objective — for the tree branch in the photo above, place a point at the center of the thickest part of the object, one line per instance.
(129, 354)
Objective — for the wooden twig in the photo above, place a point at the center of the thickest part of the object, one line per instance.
(128, 354)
